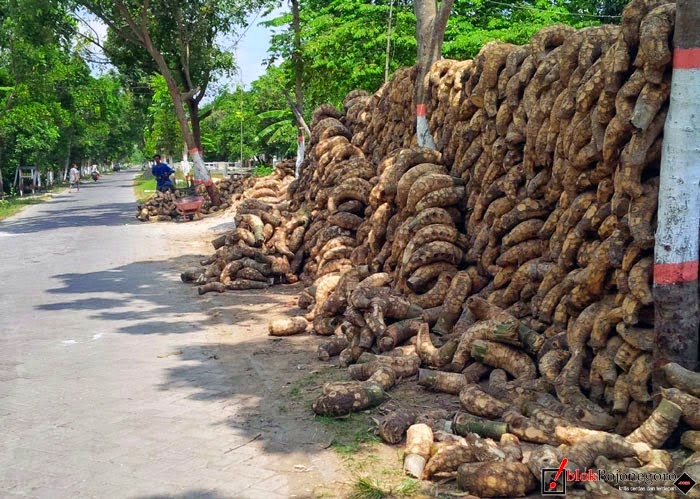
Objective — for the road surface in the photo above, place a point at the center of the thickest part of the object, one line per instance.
(108, 384)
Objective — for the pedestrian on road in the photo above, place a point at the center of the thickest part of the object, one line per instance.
(74, 178)
(162, 172)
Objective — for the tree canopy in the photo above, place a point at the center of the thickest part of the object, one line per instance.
(52, 109)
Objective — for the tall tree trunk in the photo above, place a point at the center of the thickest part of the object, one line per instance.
(676, 250)
(201, 174)
(297, 60)
(431, 23)
(298, 65)
(301, 149)
(388, 42)
(66, 163)
(195, 121)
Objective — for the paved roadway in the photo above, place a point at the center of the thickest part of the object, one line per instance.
(92, 327)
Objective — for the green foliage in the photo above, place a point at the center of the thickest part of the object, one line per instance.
(474, 23)
(162, 134)
(52, 110)
(181, 40)
(344, 44)
(263, 170)
(260, 115)
(344, 41)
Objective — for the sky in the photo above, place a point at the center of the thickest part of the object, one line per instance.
(251, 51)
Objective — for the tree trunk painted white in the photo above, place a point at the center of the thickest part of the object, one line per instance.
(301, 146)
(676, 300)
(423, 133)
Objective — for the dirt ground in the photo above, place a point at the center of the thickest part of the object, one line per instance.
(278, 378)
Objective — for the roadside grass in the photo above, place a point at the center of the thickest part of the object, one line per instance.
(370, 488)
(14, 204)
(9, 207)
(350, 435)
(144, 186)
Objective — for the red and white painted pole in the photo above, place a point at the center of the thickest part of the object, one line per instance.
(676, 251)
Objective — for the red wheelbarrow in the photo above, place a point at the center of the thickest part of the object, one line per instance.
(189, 206)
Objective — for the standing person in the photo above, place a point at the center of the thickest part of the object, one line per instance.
(94, 173)
(162, 172)
(74, 178)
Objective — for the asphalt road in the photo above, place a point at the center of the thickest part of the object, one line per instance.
(95, 396)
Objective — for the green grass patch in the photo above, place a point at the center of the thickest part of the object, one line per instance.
(369, 488)
(263, 170)
(302, 390)
(350, 434)
(144, 186)
(407, 488)
(13, 205)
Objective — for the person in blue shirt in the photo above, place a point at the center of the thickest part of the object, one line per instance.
(162, 172)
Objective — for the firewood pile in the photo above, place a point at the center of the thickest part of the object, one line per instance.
(265, 247)
(160, 207)
(511, 268)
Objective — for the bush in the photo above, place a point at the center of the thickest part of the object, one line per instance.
(263, 170)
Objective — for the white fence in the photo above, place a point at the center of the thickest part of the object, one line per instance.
(223, 167)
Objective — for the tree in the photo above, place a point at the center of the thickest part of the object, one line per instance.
(473, 24)
(343, 46)
(162, 134)
(269, 122)
(179, 39)
(431, 22)
(64, 113)
(676, 251)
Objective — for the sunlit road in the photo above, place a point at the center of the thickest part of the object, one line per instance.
(92, 326)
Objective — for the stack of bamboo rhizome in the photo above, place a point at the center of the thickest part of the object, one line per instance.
(264, 248)
(512, 267)
(160, 207)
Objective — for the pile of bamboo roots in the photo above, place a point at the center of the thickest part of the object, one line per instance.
(160, 207)
(511, 268)
(265, 246)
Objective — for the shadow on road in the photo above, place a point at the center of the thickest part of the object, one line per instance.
(110, 214)
(147, 297)
(269, 381)
(192, 494)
